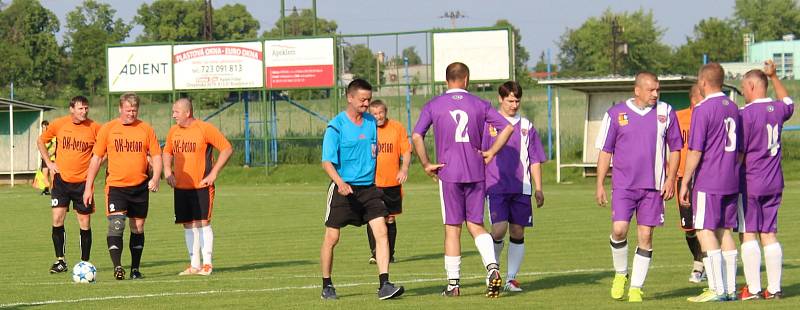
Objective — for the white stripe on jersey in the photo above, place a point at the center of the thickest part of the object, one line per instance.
(441, 202)
(602, 134)
(740, 212)
(330, 198)
(525, 140)
(700, 217)
(662, 109)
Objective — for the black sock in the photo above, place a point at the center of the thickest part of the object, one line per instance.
(383, 278)
(327, 282)
(59, 237)
(86, 244)
(391, 229)
(115, 249)
(694, 247)
(136, 246)
(371, 238)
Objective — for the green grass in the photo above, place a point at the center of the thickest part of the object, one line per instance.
(268, 232)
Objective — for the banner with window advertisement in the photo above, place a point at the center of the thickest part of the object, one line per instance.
(218, 65)
(485, 52)
(299, 63)
(139, 68)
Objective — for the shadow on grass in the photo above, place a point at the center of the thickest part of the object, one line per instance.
(536, 285)
(265, 265)
(437, 256)
(146, 263)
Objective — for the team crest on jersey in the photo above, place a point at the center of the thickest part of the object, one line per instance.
(362, 136)
(662, 119)
(457, 97)
(524, 132)
(492, 131)
(770, 108)
(725, 102)
(622, 118)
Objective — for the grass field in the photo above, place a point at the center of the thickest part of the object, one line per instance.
(268, 232)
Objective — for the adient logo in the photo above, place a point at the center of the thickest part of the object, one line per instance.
(131, 68)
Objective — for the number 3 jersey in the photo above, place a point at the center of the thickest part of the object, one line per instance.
(762, 122)
(716, 128)
(458, 118)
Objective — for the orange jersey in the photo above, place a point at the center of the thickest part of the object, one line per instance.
(392, 144)
(74, 143)
(127, 147)
(192, 149)
(684, 120)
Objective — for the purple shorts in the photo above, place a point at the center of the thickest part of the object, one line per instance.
(759, 214)
(713, 211)
(462, 202)
(647, 204)
(512, 208)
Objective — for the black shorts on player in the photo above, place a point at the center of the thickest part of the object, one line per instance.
(193, 205)
(358, 208)
(133, 201)
(62, 193)
(687, 224)
(393, 198)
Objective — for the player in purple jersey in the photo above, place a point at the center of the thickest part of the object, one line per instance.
(636, 134)
(713, 164)
(508, 181)
(762, 121)
(458, 119)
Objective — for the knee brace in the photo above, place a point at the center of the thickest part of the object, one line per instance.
(116, 225)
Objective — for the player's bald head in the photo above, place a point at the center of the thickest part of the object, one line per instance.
(712, 74)
(645, 76)
(757, 77)
(184, 104)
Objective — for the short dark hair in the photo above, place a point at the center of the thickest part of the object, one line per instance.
(45, 123)
(378, 103)
(713, 73)
(757, 74)
(510, 87)
(456, 71)
(78, 99)
(358, 84)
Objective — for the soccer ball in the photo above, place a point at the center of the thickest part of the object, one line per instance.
(84, 272)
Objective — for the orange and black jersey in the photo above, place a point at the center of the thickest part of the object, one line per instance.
(392, 144)
(74, 144)
(127, 147)
(684, 120)
(192, 147)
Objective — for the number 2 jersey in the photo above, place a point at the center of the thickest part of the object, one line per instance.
(716, 128)
(458, 119)
(762, 123)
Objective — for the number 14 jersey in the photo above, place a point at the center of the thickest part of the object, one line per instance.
(762, 123)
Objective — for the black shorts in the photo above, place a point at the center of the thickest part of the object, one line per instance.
(193, 205)
(132, 201)
(358, 208)
(393, 199)
(687, 222)
(63, 192)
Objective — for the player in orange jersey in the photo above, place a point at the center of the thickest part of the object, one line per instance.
(684, 120)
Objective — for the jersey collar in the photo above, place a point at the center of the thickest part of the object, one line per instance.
(636, 109)
(455, 90)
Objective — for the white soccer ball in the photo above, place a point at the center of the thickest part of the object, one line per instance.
(84, 272)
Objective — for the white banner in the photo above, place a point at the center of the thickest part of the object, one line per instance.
(218, 65)
(299, 63)
(486, 53)
(140, 68)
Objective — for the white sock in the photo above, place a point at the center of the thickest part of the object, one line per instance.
(751, 263)
(620, 256)
(207, 239)
(729, 261)
(707, 267)
(714, 269)
(516, 251)
(498, 249)
(485, 245)
(452, 265)
(641, 263)
(773, 260)
(192, 236)
(698, 266)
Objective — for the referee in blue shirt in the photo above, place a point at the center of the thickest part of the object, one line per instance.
(349, 151)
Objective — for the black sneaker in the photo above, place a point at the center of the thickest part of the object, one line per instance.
(392, 260)
(388, 291)
(372, 260)
(119, 273)
(135, 274)
(494, 284)
(452, 291)
(59, 266)
(46, 192)
(328, 293)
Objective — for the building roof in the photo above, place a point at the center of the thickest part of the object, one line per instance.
(622, 83)
(21, 105)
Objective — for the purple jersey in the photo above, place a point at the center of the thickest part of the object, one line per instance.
(638, 140)
(458, 118)
(509, 172)
(715, 130)
(762, 122)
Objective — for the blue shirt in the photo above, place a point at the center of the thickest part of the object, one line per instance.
(352, 148)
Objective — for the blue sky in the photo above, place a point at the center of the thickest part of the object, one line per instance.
(541, 22)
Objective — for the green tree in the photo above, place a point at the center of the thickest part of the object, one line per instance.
(768, 19)
(171, 20)
(89, 28)
(301, 24)
(521, 55)
(362, 63)
(30, 56)
(541, 65)
(586, 50)
(411, 53)
(234, 22)
(717, 38)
